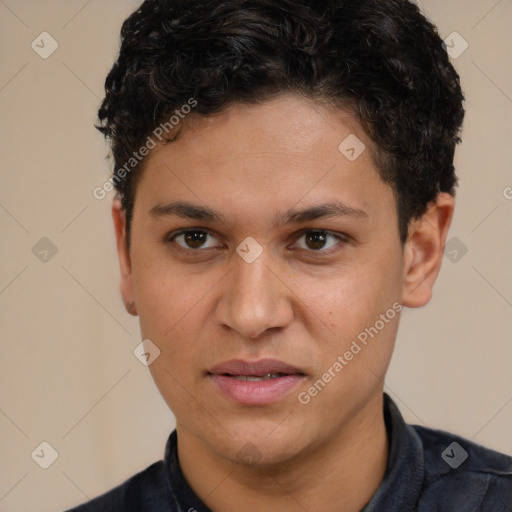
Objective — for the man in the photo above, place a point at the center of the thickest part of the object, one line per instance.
(285, 185)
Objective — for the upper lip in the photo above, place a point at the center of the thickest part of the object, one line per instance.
(255, 368)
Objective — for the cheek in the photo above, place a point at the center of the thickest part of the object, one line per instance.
(174, 308)
(168, 296)
(353, 361)
(356, 318)
(352, 299)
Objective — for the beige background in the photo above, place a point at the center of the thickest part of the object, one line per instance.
(68, 375)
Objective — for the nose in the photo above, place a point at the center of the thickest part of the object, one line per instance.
(255, 298)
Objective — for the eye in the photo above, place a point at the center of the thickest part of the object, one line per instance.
(192, 239)
(318, 241)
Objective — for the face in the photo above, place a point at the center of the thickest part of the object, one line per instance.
(273, 288)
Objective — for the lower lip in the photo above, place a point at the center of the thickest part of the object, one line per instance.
(261, 392)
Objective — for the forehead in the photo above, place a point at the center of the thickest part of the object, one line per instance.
(290, 122)
(282, 152)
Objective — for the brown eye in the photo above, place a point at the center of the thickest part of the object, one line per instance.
(320, 241)
(192, 239)
(316, 240)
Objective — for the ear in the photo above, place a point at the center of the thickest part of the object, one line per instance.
(424, 250)
(123, 253)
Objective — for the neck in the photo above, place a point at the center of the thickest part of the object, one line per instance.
(342, 474)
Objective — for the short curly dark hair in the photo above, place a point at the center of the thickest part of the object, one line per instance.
(384, 59)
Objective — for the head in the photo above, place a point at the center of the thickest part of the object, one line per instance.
(325, 131)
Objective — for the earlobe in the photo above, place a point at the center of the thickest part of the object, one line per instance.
(424, 249)
(123, 253)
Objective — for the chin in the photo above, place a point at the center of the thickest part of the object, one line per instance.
(259, 447)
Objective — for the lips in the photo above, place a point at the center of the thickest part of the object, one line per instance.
(255, 383)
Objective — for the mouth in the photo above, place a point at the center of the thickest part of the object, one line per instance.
(255, 383)
(256, 378)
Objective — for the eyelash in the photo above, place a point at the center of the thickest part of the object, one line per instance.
(341, 239)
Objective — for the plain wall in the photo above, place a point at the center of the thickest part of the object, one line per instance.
(68, 375)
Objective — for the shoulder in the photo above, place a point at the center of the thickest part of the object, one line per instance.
(144, 491)
(462, 475)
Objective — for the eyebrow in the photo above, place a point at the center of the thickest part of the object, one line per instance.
(191, 211)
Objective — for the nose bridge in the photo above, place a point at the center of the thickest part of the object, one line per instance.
(254, 298)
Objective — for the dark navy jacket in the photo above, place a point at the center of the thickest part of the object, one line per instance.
(428, 471)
